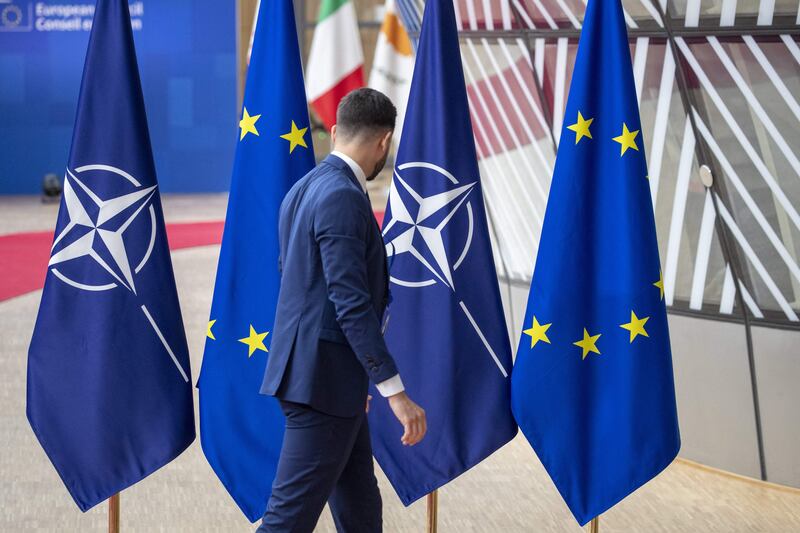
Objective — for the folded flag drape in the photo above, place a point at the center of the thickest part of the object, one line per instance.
(109, 390)
(445, 324)
(592, 387)
(241, 430)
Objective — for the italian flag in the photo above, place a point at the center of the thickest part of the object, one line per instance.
(336, 61)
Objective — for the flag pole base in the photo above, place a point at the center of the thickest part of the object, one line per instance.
(433, 511)
(113, 514)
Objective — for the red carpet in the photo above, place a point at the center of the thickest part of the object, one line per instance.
(24, 256)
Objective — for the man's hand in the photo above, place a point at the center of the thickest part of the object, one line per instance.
(411, 415)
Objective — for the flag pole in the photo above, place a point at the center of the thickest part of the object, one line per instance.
(113, 514)
(433, 511)
(594, 525)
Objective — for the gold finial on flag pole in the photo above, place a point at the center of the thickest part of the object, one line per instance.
(594, 525)
(113, 514)
(433, 511)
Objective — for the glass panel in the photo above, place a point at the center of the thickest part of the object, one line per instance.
(663, 135)
(756, 150)
(751, 7)
(548, 13)
(514, 144)
(556, 92)
(564, 13)
(716, 13)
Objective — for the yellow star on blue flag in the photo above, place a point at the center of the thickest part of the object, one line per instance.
(248, 124)
(295, 137)
(626, 139)
(581, 128)
(537, 332)
(254, 341)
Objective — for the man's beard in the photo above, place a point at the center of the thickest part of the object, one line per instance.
(378, 167)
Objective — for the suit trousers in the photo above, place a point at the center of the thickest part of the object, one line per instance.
(323, 458)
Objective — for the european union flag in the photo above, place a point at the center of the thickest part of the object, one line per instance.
(241, 431)
(446, 327)
(109, 395)
(592, 388)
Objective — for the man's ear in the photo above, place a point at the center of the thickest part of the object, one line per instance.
(386, 139)
(333, 134)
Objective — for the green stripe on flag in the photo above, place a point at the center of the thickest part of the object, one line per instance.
(328, 7)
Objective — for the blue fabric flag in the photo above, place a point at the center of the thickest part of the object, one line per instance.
(109, 391)
(445, 325)
(241, 430)
(592, 387)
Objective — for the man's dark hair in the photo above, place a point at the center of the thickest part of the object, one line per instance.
(365, 112)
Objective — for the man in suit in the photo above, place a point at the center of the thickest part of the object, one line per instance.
(328, 342)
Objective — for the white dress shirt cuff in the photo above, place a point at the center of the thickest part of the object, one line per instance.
(391, 386)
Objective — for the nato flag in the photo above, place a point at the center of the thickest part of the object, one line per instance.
(241, 430)
(446, 327)
(109, 392)
(592, 388)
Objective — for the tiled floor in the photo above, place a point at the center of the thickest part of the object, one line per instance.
(510, 492)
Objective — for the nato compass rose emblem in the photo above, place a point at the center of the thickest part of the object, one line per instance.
(94, 232)
(419, 227)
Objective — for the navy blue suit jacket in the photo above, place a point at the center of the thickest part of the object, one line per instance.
(327, 342)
